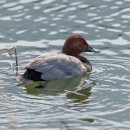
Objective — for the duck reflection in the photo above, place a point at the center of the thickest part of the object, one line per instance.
(64, 123)
(80, 95)
(76, 88)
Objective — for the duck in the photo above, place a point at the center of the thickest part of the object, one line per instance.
(63, 64)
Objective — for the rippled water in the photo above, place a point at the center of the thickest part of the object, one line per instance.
(98, 101)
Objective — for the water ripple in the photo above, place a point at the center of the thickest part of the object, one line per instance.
(97, 101)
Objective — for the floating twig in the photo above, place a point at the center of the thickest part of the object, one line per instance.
(10, 54)
(16, 61)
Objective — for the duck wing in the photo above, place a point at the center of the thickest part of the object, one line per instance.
(57, 66)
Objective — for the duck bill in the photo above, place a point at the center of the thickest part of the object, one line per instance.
(90, 49)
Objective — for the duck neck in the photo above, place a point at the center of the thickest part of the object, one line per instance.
(71, 54)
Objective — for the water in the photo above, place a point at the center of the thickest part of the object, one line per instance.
(99, 101)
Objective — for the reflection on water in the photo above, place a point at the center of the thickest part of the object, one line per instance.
(55, 87)
(80, 95)
(98, 101)
(74, 87)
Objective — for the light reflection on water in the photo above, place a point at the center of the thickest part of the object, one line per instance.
(98, 101)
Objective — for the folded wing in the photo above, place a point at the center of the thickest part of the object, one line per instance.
(57, 66)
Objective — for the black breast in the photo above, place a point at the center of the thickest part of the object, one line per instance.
(86, 63)
(31, 74)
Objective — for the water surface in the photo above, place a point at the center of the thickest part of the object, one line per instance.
(98, 101)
